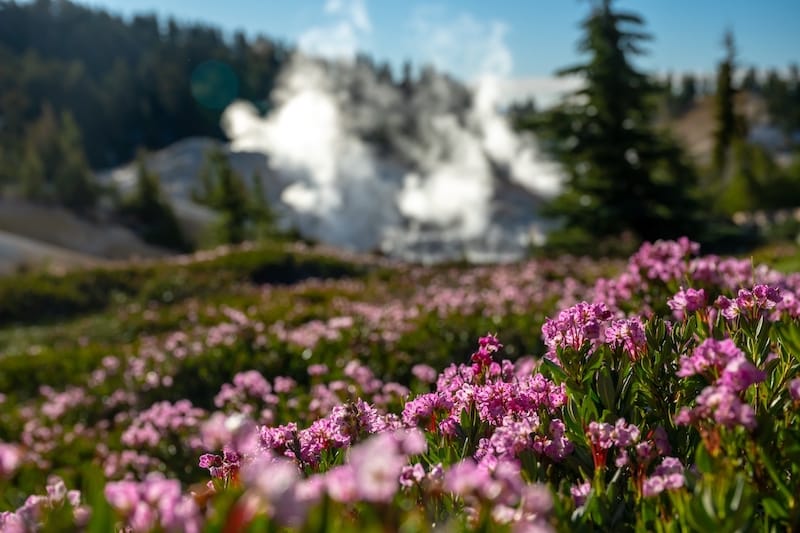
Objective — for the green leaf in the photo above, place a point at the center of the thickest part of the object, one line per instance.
(606, 389)
(588, 411)
(775, 475)
(707, 499)
(774, 509)
(698, 517)
(553, 371)
(703, 460)
(736, 498)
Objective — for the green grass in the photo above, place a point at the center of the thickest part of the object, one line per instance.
(41, 297)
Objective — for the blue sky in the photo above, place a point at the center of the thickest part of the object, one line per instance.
(517, 39)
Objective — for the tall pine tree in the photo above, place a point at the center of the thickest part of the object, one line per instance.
(72, 178)
(727, 125)
(149, 212)
(622, 175)
(54, 166)
(225, 191)
(260, 210)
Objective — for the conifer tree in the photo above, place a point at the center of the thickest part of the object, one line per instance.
(727, 124)
(261, 212)
(226, 192)
(620, 177)
(150, 213)
(32, 175)
(54, 167)
(72, 178)
(40, 157)
(750, 81)
(688, 92)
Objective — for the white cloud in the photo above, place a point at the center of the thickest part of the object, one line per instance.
(475, 50)
(341, 38)
(337, 41)
(462, 45)
(355, 11)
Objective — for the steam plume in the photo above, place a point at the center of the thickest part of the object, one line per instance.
(426, 173)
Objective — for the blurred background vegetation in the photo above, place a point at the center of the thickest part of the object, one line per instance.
(82, 90)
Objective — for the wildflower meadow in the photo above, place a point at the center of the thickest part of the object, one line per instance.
(657, 394)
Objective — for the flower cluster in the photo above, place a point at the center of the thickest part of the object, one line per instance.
(603, 436)
(248, 392)
(424, 373)
(311, 333)
(276, 489)
(415, 475)
(31, 514)
(751, 304)
(794, 389)
(515, 435)
(159, 421)
(155, 503)
(664, 260)
(511, 405)
(730, 372)
(11, 458)
(629, 335)
(709, 358)
(347, 424)
(374, 467)
(667, 476)
(487, 347)
(502, 489)
(225, 466)
(574, 327)
(687, 301)
(427, 410)
(720, 405)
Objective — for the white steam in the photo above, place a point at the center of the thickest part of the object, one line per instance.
(333, 181)
(429, 172)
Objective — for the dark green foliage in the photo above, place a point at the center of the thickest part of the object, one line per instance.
(687, 94)
(54, 168)
(757, 182)
(32, 176)
(728, 125)
(243, 214)
(782, 94)
(678, 98)
(622, 176)
(128, 83)
(225, 191)
(149, 213)
(260, 211)
(73, 180)
(23, 374)
(37, 297)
